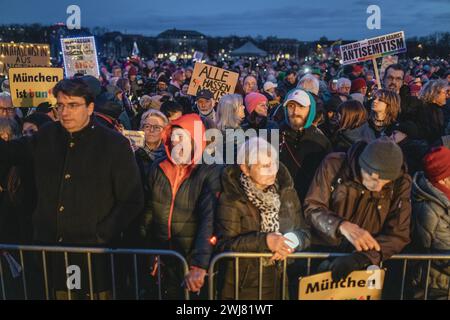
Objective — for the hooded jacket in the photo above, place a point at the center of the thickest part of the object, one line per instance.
(337, 195)
(343, 140)
(431, 234)
(182, 200)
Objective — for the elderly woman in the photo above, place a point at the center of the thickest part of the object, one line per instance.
(259, 211)
(230, 113)
(431, 117)
(384, 113)
(153, 123)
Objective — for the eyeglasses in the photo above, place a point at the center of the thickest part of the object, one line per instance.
(155, 128)
(71, 106)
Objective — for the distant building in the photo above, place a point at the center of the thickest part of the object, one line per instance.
(181, 41)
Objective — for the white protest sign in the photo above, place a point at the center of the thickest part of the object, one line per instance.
(80, 56)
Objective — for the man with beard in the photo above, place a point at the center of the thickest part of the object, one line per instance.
(302, 145)
(204, 106)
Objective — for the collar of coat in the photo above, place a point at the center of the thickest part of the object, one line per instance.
(232, 186)
(87, 130)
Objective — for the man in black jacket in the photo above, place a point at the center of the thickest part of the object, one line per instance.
(87, 181)
(302, 145)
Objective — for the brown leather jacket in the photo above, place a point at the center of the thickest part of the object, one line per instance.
(337, 194)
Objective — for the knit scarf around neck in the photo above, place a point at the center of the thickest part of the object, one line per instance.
(267, 202)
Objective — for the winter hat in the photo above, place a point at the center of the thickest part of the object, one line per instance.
(358, 84)
(357, 68)
(163, 78)
(305, 99)
(252, 100)
(436, 164)
(269, 85)
(44, 107)
(384, 157)
(38, 119)
(132, 71)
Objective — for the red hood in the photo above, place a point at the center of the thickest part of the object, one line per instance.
(190, 123)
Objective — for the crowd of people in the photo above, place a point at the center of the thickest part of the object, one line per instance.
(357, 169)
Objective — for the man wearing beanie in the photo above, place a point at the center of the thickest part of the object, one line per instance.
(256, 106)
(431, 220)
(302, 145)
(359, 203)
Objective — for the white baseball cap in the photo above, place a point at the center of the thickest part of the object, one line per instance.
(298, 96)
(269, 85)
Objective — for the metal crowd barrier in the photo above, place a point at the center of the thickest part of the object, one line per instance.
(309, 256)
(89, 252)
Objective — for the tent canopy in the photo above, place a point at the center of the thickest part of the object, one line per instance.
(249, 50)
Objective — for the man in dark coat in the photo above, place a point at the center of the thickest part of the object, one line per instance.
(88, 184)
(302, 145)
(180, 210)
(360, 201)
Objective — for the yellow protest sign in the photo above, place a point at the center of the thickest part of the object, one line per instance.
(359, 285)
(31, 86)
(218, 81)
(23, 55)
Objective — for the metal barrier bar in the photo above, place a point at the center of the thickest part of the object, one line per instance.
(2, 280)
(427, 281)
(312, 255)
(91, 287)
(236, 279)
(260, 278)
(403, 279)
(113, 277)
(136, 281)
(89, 251)
(66, 263)
(44, 266)
(24, 279)
(284, 279)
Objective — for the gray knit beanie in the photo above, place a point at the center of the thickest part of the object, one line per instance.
(384, 157)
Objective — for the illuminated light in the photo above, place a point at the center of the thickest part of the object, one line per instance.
(173, 58)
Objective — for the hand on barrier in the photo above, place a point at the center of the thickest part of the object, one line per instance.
(341, 267)
(278, 244)
(360, 238)
(195, 279)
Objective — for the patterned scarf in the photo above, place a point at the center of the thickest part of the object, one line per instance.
(267, 202)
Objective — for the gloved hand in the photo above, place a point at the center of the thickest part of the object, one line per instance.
(341, 267)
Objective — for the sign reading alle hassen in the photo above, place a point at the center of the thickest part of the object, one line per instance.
(217, 80)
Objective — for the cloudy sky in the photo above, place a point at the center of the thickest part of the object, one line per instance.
(300, 19)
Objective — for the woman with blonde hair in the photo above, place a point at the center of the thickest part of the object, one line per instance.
(431, 116)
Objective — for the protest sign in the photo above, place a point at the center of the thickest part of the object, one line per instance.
(80, 56)
(373, 48)
(137, 138)
(359, 285)
(32, 86)
(218, 81)
(198, 56)
(369, 49)
(23, 55)
(386, 62)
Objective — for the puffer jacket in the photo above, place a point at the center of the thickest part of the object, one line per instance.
(337, 194)
(238, 229)
(431, 234)
(181, 203)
